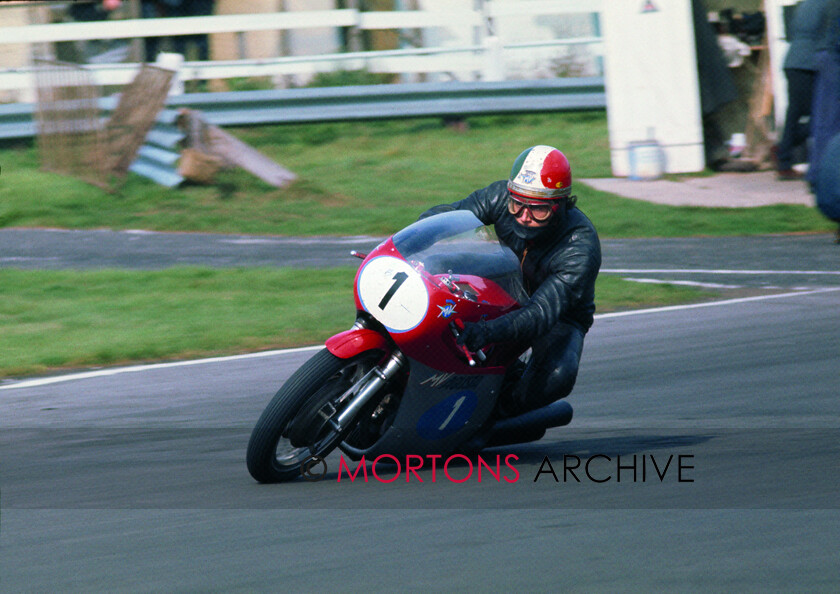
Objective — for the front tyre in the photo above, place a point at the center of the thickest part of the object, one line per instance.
(287, 433)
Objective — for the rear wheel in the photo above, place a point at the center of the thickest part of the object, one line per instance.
(295, 426)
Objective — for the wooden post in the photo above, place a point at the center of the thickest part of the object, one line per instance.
(760, 113)
(140, 103)
(211, 148)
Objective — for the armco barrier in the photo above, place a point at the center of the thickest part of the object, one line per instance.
(451, 99)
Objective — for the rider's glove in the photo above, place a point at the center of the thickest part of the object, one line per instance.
(475, 335)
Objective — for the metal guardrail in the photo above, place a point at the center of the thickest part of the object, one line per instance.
(242, 108)
(452, 99)
(17, 120)
(157, 159)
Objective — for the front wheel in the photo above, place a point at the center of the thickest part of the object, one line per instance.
(295, 426)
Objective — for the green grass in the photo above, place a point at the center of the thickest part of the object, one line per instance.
(52, 319)
(368, 178)
(67, 319)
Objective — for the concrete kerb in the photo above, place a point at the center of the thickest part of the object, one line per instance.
(727, 190)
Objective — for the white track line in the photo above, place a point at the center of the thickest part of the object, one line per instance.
(684, 283)
(118, 370)
(714, 271)
(636, 312)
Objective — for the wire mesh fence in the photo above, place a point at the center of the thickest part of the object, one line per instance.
(70, 133)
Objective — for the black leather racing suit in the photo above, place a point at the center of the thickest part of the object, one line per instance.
(560, 263)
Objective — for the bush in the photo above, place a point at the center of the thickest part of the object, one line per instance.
(346, 78)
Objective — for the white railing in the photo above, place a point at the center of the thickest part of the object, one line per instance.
(480, 60)
(134, 28)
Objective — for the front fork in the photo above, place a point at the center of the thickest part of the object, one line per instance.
(376, 379)
(348, 344)
(367, 387)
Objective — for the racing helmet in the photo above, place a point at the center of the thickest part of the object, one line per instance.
(540, 173)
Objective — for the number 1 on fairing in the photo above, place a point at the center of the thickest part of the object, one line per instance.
(455, 408)
(399, 279)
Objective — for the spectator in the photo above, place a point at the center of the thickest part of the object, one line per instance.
(93, 11)
(81, 51)
(825, 119)
(807, 31)
(827, 184)
(188, 8)
(717, 87)
(824, 171)
(153, 9)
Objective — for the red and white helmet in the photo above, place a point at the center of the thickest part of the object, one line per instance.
(541, 173)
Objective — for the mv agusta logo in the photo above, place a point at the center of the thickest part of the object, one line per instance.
(447, 310)
(450, 381)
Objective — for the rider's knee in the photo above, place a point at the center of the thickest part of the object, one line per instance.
(560, 382)
(549, 386)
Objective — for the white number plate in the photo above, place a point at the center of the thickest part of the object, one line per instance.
(393, 293)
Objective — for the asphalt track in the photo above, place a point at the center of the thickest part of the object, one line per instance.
(763, 261)
(134, 479)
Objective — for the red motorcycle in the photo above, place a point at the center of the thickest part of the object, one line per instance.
(397, 383)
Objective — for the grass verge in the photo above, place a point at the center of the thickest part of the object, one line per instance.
(69, 319)
(369, 178)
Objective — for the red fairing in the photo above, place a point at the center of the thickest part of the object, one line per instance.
(433, 344)
(431, 341)
(352, 342)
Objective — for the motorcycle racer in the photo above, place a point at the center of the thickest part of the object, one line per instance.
(535, 215)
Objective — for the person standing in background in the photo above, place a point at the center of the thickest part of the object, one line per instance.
(153, 9)
(824, 171)
(807, 32)
(717, 86)
(190, 8)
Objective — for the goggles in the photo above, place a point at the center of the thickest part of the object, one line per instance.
(540, 211)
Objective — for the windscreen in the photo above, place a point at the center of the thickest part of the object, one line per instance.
(458, 242)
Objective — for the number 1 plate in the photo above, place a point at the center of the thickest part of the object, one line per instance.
(393, 293)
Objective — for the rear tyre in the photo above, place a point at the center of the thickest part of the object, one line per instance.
(293, 429)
